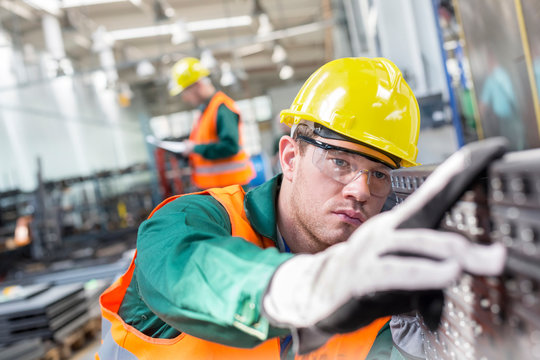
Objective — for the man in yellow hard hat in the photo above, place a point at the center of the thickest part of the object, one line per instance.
(303, 266)
(215, 144)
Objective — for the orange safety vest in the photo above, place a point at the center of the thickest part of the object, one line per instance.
(207, 173)
(121, 341)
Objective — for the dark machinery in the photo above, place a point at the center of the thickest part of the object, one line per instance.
(491, 318)
(75, 219)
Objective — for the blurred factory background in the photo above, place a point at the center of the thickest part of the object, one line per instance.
(83, 82)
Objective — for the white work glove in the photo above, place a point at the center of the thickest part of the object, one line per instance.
(392, 264)
(178, 147)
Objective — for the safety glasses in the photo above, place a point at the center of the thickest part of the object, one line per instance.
(345, 166)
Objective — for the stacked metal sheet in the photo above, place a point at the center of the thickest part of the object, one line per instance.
(23, 350)
(93, 290)
(75, 272)
(41, 314)
(492, 318)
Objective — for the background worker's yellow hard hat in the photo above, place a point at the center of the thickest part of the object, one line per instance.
(186, 72)
(364, 99)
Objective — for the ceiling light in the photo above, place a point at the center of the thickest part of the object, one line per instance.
(169, 12)
(180, 33)
(265, 26)
(279, 54)
(286, 72)
(227, 76)
(208, 59)
(145, 69)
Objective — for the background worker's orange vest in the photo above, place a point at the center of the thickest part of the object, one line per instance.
(121, 341)
(207, 173)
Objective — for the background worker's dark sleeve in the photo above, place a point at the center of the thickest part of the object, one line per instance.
(227, 129)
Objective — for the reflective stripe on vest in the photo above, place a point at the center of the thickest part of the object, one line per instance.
(121, 341)
(208, 173)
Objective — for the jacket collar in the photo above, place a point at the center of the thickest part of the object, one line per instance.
(260, 207)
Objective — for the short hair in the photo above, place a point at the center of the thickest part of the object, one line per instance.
(304, 130)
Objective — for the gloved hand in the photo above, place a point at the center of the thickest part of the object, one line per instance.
(390, 265)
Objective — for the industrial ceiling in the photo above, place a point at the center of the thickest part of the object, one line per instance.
(264, 43)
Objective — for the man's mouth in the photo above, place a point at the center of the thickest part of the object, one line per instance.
(352, 217)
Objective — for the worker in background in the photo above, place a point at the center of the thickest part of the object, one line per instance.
(499, 103)
(214, 147)
(301, 264)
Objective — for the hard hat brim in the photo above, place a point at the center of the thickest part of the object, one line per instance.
(176, 90)
(290, 118)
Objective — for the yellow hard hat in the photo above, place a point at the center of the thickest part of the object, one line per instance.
(365, 100)
(186, 72)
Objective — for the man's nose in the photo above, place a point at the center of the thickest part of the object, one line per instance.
(358, 189)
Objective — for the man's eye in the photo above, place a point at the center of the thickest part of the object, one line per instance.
(340, 162)
(379, 175)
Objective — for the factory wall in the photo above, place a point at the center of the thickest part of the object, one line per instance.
(72, 124)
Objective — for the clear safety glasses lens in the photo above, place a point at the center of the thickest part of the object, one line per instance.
(346, 167)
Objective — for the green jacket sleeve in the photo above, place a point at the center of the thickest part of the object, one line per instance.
(227, 129)
(383, 345)
(384, 348)
(199, 279)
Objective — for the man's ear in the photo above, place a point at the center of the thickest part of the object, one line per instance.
(288, 154)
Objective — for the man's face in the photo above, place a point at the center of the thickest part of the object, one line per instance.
(191, 96)
(325, 210)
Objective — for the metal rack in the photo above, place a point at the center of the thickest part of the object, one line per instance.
(495, 317)
(74, 217)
